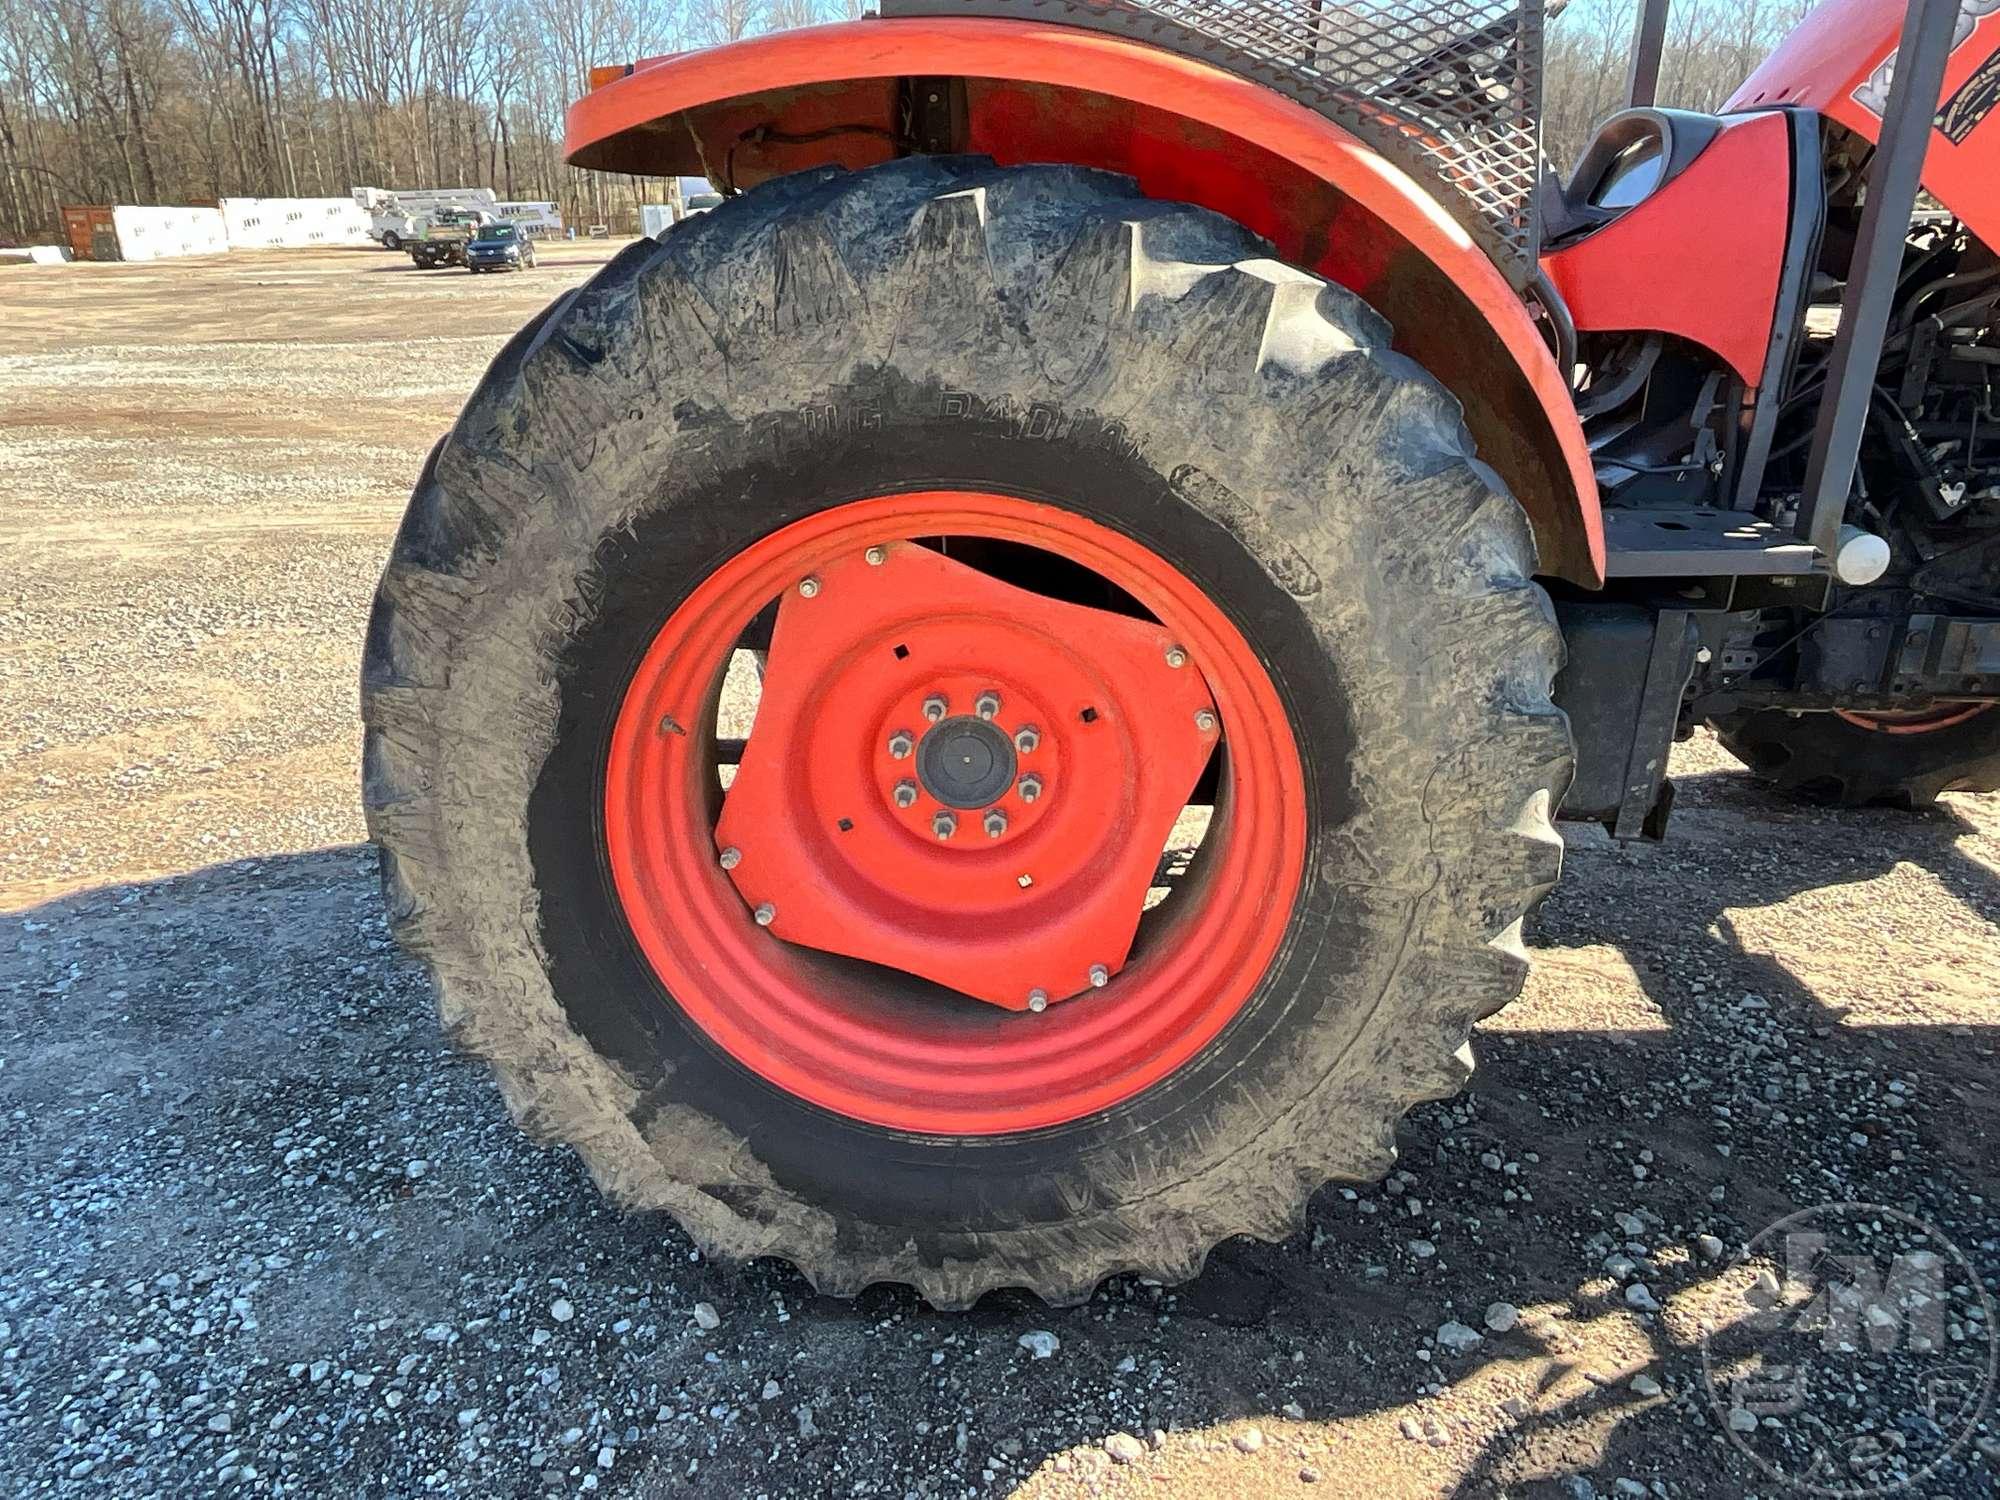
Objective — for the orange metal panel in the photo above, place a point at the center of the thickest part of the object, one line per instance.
(1838, 61)
(1681, 264)
(1185, 130)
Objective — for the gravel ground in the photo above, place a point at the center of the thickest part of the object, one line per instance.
(262, 1233)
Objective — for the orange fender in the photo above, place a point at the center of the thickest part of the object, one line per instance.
(1186, 131)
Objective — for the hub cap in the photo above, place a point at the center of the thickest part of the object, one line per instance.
(966, 763)
(967, 785)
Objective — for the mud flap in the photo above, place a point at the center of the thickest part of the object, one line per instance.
(1627, 672)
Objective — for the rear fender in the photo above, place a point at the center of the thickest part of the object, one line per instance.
(1023, 92)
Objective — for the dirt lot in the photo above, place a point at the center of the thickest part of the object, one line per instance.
(261, 1232)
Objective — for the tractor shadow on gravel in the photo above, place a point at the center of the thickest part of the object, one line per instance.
(232, 1127)
(1746, 1058)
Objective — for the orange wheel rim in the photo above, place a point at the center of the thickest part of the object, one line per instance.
(1915, 721)
(814, 926)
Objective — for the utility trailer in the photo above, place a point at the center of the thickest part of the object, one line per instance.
(1191, 498)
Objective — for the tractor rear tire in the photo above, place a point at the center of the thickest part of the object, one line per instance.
(1855, 761)
(1136, 369)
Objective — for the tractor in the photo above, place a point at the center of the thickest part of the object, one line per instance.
(990, 712)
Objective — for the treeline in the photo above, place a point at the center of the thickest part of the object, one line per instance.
(170, 101)
(1712, 45)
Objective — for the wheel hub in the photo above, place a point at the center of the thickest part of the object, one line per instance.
(966, 762)
(962, 779)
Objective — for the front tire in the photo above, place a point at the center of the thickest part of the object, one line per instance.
(1132, 368)
(1855, 759)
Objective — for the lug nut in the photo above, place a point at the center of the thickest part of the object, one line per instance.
(730, 858)
(766, 914)
(906, 794)
(876, 556)
(1099, 976)
(1030, 787)
(1204, 721)
(1176, 657)
(944, 825)
(901, 743)
(809, 588)
(996, 822)
(935, 706)
(987, 705)
(1026, 738)
(1038, 1000)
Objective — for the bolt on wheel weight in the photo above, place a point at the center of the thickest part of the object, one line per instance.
(877, 647)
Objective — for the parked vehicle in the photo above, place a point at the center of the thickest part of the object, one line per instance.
(1153, 566)
(390, 228)
(396, 218)
(441, 237)
(499, 247)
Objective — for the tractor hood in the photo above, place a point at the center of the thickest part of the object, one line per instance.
(1840, 60)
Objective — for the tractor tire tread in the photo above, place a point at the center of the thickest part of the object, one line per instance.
(1820, 757)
